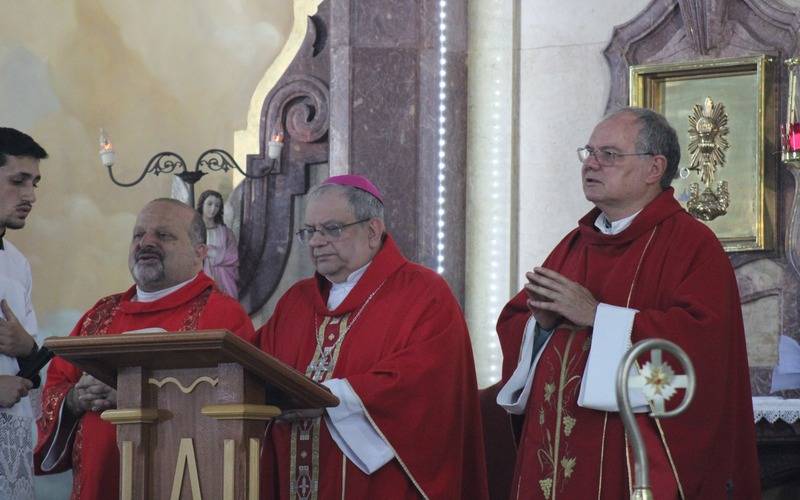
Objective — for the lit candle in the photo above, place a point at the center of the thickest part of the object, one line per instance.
(794, 133)
(275, 146)
(106, 149)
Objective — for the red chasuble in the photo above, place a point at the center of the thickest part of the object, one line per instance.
(400, 341)
(672, 269)
(90, 447)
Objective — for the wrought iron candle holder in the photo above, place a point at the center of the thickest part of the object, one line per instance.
(167, 162)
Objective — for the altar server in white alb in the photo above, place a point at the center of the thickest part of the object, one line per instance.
(19, 176)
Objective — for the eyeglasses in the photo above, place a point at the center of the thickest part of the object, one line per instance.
(328, 231)
(603, 157)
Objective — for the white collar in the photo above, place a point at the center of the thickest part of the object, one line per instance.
(608, 227)
(340, 291)
(142, 296)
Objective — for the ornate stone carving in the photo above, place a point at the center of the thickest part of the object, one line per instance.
(298, 107)
(691, 30)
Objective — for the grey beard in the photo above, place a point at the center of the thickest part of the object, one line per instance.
(146, 274)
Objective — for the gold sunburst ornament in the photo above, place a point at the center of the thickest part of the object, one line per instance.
(708, 128)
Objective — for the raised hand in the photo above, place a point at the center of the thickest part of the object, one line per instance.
(15, 341)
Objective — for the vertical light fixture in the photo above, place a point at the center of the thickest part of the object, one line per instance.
(491, 178)
(498, 234)
(441, 158)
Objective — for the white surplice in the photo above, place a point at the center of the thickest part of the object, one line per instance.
(16, 423)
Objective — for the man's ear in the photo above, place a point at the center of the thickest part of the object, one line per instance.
(201, 250)
(656, 169)
(375, 230)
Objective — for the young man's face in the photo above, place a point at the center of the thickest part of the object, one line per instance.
(18, 179)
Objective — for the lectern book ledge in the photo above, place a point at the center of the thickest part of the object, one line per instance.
(103, 355)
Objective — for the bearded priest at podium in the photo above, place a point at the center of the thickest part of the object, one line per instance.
(172, 294)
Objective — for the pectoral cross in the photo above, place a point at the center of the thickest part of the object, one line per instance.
(322, 365)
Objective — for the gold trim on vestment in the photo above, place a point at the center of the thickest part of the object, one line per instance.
(602, 455)
(315, 429)
(295, 426)
(628, 305)
(658, 422)
(669, 456)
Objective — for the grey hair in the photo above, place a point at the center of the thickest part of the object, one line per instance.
(197, 228)
(364, 205)
(656, 136)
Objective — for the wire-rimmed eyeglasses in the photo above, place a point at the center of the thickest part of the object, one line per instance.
(603, 157)
(328, 231)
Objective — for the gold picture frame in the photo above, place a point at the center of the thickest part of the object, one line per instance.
(746, 87)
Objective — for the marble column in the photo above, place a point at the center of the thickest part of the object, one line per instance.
(492, 173)
(398, 116)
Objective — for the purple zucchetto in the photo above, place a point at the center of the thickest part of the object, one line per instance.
(356, 181)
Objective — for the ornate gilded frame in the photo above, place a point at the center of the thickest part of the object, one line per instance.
(746, 86)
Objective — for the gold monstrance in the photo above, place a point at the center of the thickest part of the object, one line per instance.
(707, 145)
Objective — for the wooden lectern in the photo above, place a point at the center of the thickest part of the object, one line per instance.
(190, 408)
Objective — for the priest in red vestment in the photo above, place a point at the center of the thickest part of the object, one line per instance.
(638, 266)
(172, 294)
(388, 338)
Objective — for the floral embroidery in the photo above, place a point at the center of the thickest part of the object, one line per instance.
(195, 310)
(99, 319)
(553, 458)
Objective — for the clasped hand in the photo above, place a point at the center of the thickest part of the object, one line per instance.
(89, 394)
(552, 296)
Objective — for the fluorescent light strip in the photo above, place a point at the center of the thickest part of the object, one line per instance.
(441, 158)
